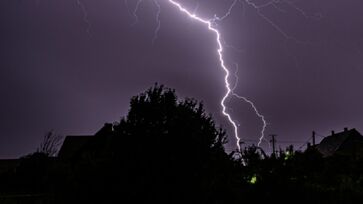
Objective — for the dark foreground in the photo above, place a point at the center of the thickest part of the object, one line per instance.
(169, 151)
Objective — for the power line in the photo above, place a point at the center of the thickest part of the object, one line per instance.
(280, 141)
(320, 135)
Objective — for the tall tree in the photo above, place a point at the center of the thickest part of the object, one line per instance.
(171, 145)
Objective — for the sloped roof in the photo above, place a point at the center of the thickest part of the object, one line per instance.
(338, 141)
(73, 144)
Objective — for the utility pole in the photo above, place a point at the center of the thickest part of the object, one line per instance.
(273, 140)
(314, 138)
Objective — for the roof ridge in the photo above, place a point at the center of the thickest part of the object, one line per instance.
(347, 135)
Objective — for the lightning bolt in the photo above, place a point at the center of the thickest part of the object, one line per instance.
(85, 16)
(257, 113)
(137, 6)
(317, 16)
(228, 13)
(126, 2)
(229, 92)
(158, 24)
(274, 3)
(254, 107)
(157, 18)
(211, 25)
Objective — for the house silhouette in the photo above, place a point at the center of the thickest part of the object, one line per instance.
(345, 143)
(87, 146)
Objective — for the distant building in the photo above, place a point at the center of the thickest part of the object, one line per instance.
(87, 146)
(346, 143)
(72, 146)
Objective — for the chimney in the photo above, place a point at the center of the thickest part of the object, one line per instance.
(313, 138)
(345, 129)
(332, 132)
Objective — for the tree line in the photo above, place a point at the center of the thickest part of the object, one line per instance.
(169, 150)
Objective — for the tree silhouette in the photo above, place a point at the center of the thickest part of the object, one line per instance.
(171, 149)
(157, 117)
(50, 144)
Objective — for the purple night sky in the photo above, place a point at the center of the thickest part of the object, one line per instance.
(300, 61)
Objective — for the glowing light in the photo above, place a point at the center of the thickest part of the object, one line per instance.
(253, 179)
(289, 155)
(209, 25)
